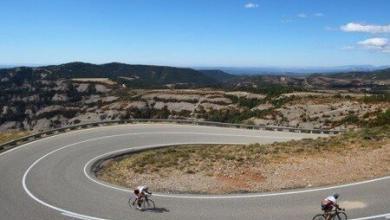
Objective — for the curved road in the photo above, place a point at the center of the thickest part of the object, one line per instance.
(49, 179)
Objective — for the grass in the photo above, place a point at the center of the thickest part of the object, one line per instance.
(11, 135)
(191, 159)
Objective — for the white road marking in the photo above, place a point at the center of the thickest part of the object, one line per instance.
(74, 215)
(93, 128)
(183, 196)
(88, 164)
(49, 137)
(353, 205)
(387, 216)
(86, 217)
(99, 138)
(63, 211)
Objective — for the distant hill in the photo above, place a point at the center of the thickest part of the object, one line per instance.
(132, 75)
(218, 75)
(383, 74)
(149, 76)
(294, 71)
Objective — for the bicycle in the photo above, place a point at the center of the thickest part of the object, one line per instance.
(146, 202)
(337, 214)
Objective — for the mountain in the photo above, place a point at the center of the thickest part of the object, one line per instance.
(132, 75)
(218, 75)
(298, 70)
(375, 81)
(46, 97)
(383, 74)
(149, 76)
(7, 66)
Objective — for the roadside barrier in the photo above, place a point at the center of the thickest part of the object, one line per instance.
(14, 143)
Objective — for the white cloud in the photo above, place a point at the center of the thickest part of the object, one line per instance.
(367, 28)
(376, 43)
(251, 5)
(319, 14)
(302, 15)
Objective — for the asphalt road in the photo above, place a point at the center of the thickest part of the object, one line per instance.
(50, 179)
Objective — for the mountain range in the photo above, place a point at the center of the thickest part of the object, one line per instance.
(149, 76)
(297, 70)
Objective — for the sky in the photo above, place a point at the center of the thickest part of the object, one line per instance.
(234, 33)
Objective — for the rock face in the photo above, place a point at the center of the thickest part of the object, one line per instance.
(42, 101)
(102, 88)
(10, 125)
(69, 107)
(60, 98)
(82, 88)
(52, 96)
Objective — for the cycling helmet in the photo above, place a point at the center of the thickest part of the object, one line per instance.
(336, 195)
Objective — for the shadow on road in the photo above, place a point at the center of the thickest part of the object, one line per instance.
(156, 210)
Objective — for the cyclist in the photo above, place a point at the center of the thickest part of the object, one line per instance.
(328, 204)
(141, 192)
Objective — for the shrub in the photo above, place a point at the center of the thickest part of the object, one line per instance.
(385, 97)
(383, 118)
(351, 119)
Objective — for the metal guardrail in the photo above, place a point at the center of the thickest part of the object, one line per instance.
(14, 143)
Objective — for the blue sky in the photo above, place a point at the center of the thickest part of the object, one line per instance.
(196, 32)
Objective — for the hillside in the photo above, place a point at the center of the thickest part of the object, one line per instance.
(353, 156)
(218, 75)
(383, 74)
(47, 97)
(139, 76)
(355, 81)
(148, 76)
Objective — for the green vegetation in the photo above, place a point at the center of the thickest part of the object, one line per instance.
(379, 119)
(234, 115)
(157, 99)
(144, 76)
(382, 119)
(25, 92)
(271, 90)
(350, 119)
(279, 102)
(244, 102)
(377, 74)
(238, 116)
(375, 98)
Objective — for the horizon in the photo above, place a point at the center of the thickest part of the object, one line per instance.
(235, 34)
(193, 67)
(248, 70)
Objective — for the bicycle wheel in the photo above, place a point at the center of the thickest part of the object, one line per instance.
(340, 216)
(131, 202)
(319, 217)
(148, 204)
